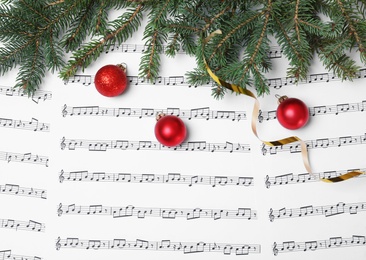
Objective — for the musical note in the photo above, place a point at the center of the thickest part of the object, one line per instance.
(12, 189)
(95, 145)
(170, 213)
(321, 110)
(318, 143)
(24, 158)
(331, 243)
(276, 83)
(163, 245)
(264, 149)
(32, 125)
(59, 210)
(196, 113)
(275, 51)
(170, 178)
(7, 254)
(306, 177)
(327, 211)
(58, 245)
(22, 225)
(61, 176)
(18, 92)
(274, 249)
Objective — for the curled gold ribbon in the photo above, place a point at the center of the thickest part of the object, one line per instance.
(288, 140)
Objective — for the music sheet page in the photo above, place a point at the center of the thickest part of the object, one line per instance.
(83, 176)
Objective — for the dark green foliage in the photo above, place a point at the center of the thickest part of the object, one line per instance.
(36, 34)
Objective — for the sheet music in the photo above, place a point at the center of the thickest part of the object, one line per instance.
(83, 176)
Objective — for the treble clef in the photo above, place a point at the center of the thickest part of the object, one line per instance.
(260, 117)
(63, 145)
(58, 245)
(264, 149)
(59, 210)
(268, 183)
(64, 111)
(275, 250)
(61, 177)
(271, 216)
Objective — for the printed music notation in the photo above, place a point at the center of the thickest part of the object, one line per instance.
(12, 189)
(327, 211)
(39, 95)
(291, 178)
(319, 110)
(87, 80)
(275, 83)
(32, 125)
(199, 113)
(165, 213)
(275, 51)
(278, 83)
(170, 178)
(22, 225)
(331, 243)
(104, 145)
(163, 245)
(24, 158)
(317, 143)
(6, 254)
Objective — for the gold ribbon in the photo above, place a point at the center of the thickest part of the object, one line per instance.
(288, 140)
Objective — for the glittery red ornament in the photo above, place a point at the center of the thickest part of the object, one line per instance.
(170, 130)
(111, 80)
(292, 113)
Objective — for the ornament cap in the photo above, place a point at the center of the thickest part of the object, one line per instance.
(281, 98)
(159, 116)
(123, 66)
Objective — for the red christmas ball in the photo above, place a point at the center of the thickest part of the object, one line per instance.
(111, 80)
(292, 113)
(170, 130)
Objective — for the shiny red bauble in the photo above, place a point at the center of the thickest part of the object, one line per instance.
(111, 80)
(170, 130)
(292, 113)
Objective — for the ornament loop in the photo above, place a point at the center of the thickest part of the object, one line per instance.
(280, 98)
(123, 66)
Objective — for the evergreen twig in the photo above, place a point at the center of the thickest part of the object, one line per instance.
(36, 34)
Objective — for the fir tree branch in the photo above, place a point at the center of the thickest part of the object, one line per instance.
(8, 57)
(233, 31)
(33, 34)
(154, 32)
(288, 40)
(36, 11)
(81, 58)
(99, 16)
(149, 73)
(212, 20)
(32, 70)
(260, 40)
(194, 13)
(309, 24)
(296, 20)
(338, 48)
(22, 21)
(77, 34)
(352, 28)
(188, 28)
